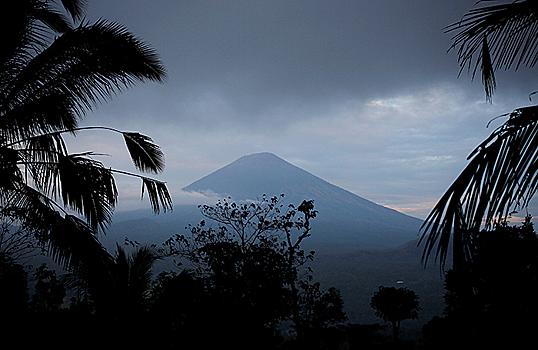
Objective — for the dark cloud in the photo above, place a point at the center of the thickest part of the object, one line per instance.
(254, 53)
(361, 93)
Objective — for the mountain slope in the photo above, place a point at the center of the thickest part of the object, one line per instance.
(343, 216)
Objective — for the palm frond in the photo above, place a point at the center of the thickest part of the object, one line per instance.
(146, 155)
(83, 67)
(50, 17)
(39, 115)
(501, 177)
(140, 275)
(75, 8)
(9, 171)
(18, 199)
(70, 241)
(44, 148)
(159, 197)
(46, 86)
(40, 157)
(74, 244)
(16, 24)
(26, 22)
(488, 73)
(501, 36)
(87, 187)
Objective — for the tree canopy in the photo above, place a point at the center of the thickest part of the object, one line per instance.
(394, 305)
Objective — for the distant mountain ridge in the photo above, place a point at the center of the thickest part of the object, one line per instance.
(343, 216)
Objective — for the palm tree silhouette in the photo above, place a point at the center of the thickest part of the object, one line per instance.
(121, 286)
(54, 69)
(502, 174)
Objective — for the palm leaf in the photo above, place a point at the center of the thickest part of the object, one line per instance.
(499, 36)
(146, 155)
(158, 194)
(74, 244)
(81, 68)
(25, 25)
(140, 271)
(40, 157)
(9, 171)
(75, 8)
(88, 188)
(50, 17)
(501, 177)
(18, 199)
(39, 115)
(70, 241)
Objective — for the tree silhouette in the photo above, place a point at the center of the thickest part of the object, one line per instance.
(502, 173)
(53, 69)
(120, 287)
(496, 292)
(251, 249)
(394, 305)
(320, 309)
(49, 291)
(254, 268)
(492, 300)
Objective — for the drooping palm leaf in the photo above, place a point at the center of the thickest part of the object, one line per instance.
(18, 199)
(75, 246)
(9, 170)
(39, 115)
(87, 187)
(159, 197)
(146, 155)
(497, 37)
(70, 241)
(501, 177)
(45, 221)
(40, 157)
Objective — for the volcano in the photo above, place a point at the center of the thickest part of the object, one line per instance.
(343, 217)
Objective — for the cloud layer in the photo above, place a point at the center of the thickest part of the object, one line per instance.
(359, 93)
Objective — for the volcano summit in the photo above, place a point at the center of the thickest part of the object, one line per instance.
(343, 216)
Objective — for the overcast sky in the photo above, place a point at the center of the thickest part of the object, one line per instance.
(360, 93)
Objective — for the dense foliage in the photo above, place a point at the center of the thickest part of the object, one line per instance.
(493, 300)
